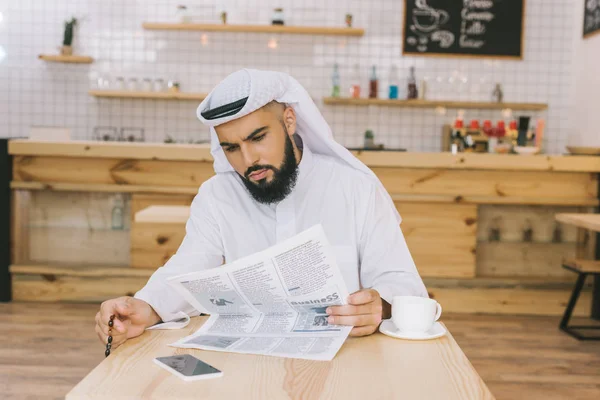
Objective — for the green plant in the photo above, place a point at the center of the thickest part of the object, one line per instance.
(169, 139)
(68, 37)
(369, 134)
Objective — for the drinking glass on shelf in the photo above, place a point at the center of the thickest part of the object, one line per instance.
(159, 85)
(120, 83)
(105, 133)
(147, 85)
(132, 134)
(102, 83)
(132, 84)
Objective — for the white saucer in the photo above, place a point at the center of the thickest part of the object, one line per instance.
(387, 327)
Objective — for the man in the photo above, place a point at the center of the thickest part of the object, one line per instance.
(279, 172)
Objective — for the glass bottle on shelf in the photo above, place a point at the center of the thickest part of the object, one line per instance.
(335, 81)
(393, 92)
(183, 14)
(118, 212)
(373, 83)
(355, 86)
(457, 144)
(498, 94)
(413, 93)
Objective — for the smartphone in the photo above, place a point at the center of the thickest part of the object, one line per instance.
(188, 367)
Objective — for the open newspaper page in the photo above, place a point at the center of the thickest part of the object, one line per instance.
(272, 302)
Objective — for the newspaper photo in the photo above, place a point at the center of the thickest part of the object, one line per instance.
(272, 302)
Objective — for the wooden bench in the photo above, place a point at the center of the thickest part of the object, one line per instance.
(583, 268)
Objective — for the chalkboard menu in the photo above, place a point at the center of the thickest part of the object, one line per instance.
(484, 28)
(591, 17)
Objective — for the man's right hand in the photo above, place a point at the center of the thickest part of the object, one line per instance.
(132, 317)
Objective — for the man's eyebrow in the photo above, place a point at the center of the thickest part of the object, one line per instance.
(249, 137)
(255, 132)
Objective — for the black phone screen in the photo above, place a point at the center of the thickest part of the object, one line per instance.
(188, 365)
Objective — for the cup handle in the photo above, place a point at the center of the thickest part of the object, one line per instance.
(438, 314)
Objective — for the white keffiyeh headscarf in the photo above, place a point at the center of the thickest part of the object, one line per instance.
(247, 90)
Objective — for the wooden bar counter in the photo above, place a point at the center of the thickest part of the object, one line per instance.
(480, 226)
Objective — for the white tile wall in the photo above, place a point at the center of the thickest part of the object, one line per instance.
(33, 92)
(586, 121)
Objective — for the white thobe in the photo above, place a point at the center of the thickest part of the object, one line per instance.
(226, 223)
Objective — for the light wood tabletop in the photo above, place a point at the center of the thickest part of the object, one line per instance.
(587, 221)
(373, 367)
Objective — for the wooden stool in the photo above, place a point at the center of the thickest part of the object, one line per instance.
(583, 268)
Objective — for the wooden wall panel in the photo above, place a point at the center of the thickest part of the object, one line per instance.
(524, 259)
(500, 185)
(19, 241)
(512, 220)
(76, 245)
(519, 301)
(111, 171)
(51, 288)
(473, 186)
(440, 237)
(71, 227)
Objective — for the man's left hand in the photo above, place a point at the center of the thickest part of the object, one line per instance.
(364, 312)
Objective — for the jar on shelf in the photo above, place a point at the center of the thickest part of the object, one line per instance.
(118, 212)
(105, 133)
(132, 135)
(103, 82)
(183, 14)
(277, 18)
(147, 85)
(132, 84)
(119, 83)
(173, 86)
(348, 20)
(159, 85)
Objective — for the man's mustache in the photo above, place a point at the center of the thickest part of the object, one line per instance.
(255, 168)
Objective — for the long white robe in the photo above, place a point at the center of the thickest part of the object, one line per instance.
(226, 223)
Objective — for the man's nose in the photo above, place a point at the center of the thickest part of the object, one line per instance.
(250, 157)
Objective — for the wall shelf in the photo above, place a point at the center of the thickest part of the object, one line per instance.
(66, 59)
(435, 104)
(299, 30)
(125, 94)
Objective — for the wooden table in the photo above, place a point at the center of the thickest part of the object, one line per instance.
(374, 367)
(591, 222)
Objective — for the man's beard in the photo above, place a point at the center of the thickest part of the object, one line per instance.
(284, 178)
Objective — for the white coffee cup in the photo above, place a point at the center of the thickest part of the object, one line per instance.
(413, 314)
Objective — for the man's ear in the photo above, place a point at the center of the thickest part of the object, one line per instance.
(289, 120)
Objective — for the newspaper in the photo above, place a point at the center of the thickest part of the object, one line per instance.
(272, 302)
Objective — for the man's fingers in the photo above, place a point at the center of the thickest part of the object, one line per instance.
(116, 341)
(363, 330)
(363, 296)
(107, 309)
(117, 330)
(104, 329)
(355, 320)
(124, 307)
(371, 308)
